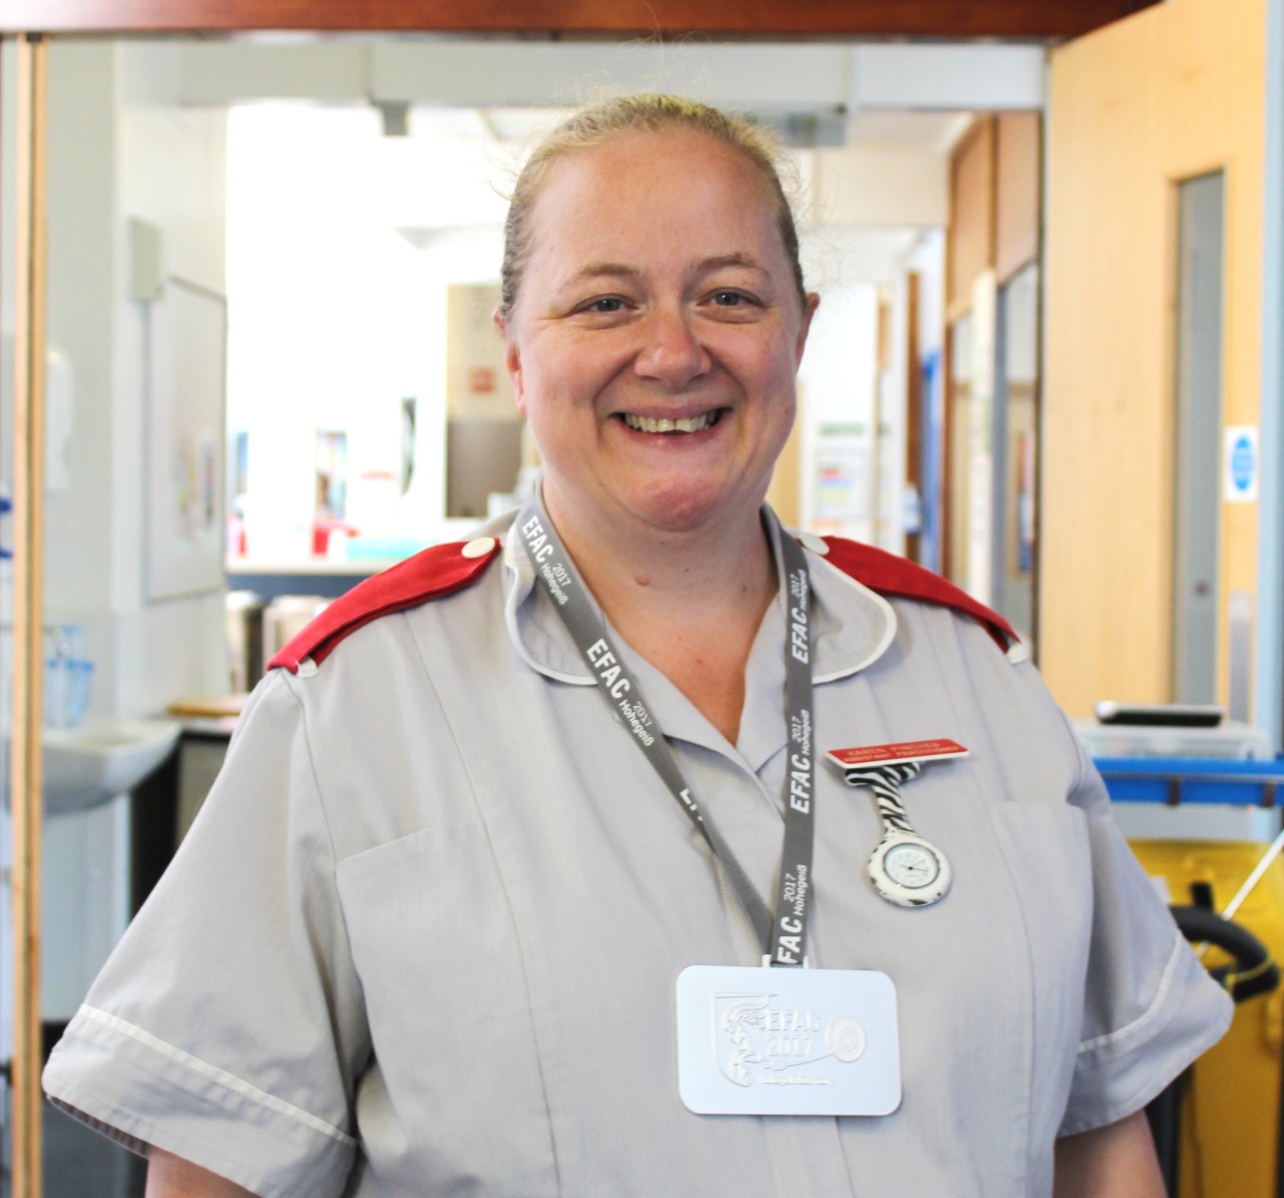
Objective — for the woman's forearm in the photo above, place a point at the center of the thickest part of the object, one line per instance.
(170, 1176)
(1116, 1161)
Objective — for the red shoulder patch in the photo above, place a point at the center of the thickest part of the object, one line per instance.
(901, 579)
(434, 572)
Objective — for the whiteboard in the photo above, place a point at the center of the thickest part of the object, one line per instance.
(186, 384)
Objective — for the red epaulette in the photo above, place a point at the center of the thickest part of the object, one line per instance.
(901, 579)
(430, 574)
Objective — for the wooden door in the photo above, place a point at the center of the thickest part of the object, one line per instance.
(1135, 109)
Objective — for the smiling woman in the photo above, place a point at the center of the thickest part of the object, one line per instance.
(655, 322)
(441, 928)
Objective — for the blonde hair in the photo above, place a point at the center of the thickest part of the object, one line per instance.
(617, 117)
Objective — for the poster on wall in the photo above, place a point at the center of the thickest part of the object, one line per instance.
(844, 482)
(186, 380)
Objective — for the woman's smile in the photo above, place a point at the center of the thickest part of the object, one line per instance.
(671, 425)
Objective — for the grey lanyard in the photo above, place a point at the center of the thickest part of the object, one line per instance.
(783, 937)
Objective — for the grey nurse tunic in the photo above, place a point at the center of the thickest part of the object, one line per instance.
(423, 937)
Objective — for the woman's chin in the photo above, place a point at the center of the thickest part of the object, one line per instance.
(679, 504)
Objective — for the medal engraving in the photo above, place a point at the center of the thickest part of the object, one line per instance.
(787, 1042)
(758, 1039)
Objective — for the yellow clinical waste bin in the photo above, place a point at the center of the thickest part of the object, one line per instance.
(1230, 1110)
(1201, 826)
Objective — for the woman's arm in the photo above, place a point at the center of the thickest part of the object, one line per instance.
(171, 1176)
(1116, 1161)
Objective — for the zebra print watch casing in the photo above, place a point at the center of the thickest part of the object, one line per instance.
(909, 871)
(906, 869)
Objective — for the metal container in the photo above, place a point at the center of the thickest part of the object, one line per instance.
(285, 617)
(244, 640)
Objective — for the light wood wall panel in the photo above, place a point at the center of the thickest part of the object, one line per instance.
(971, 229)
(1016, 184)
(1167, 94)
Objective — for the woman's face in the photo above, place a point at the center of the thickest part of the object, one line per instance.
(657, 331)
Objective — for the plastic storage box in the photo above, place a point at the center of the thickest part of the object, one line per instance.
(1231, 740)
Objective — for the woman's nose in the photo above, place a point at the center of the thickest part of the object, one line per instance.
(671, 352)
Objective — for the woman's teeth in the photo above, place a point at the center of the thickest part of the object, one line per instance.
(652, 424)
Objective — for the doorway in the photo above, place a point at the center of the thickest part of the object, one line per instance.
(1198, 436)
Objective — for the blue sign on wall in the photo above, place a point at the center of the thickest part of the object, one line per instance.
(1241, 464)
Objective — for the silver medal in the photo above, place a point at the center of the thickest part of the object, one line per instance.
(787, 1041)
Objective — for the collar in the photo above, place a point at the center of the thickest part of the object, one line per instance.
(852, 625)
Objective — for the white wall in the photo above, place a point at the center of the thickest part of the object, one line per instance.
(836, 385)
(893, 380)
(890, 184)
(927, 258)
(171, 171)
(341, 243)
(119, 147)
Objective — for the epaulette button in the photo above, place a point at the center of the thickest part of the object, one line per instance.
(479, 547)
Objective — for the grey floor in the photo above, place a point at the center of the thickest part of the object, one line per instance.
(80, 1163)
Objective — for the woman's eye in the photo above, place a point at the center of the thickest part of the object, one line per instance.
(729, 299)
(610, 303)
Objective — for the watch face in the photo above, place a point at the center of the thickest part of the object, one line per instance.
(911, 865)
(908, 871)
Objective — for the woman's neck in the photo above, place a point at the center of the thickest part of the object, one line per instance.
(690, 602)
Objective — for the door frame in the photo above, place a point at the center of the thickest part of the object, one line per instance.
(28, 22)
(1013, 19)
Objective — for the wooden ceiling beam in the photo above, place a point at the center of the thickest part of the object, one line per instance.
(1010, 19)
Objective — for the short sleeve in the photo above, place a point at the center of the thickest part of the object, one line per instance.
(1150, 1007)
(228, 1027)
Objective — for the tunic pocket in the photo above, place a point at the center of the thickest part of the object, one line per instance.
(1049, 852)
(453, 1101)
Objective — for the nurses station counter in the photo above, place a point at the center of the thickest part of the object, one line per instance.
(1202, 820)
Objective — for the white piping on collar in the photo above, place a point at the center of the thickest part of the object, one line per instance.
(512, 600)
(511, 555)
(889, 613)
(808, 541)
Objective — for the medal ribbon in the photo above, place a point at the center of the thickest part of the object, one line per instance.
(784, 936)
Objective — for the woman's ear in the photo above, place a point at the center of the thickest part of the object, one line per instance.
(512, 360)
(809, 311)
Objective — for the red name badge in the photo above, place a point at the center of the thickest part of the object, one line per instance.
(940, 749)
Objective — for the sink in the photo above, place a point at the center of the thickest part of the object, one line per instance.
(88, 765)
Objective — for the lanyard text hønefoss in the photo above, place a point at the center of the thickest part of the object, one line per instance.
(784, 935)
